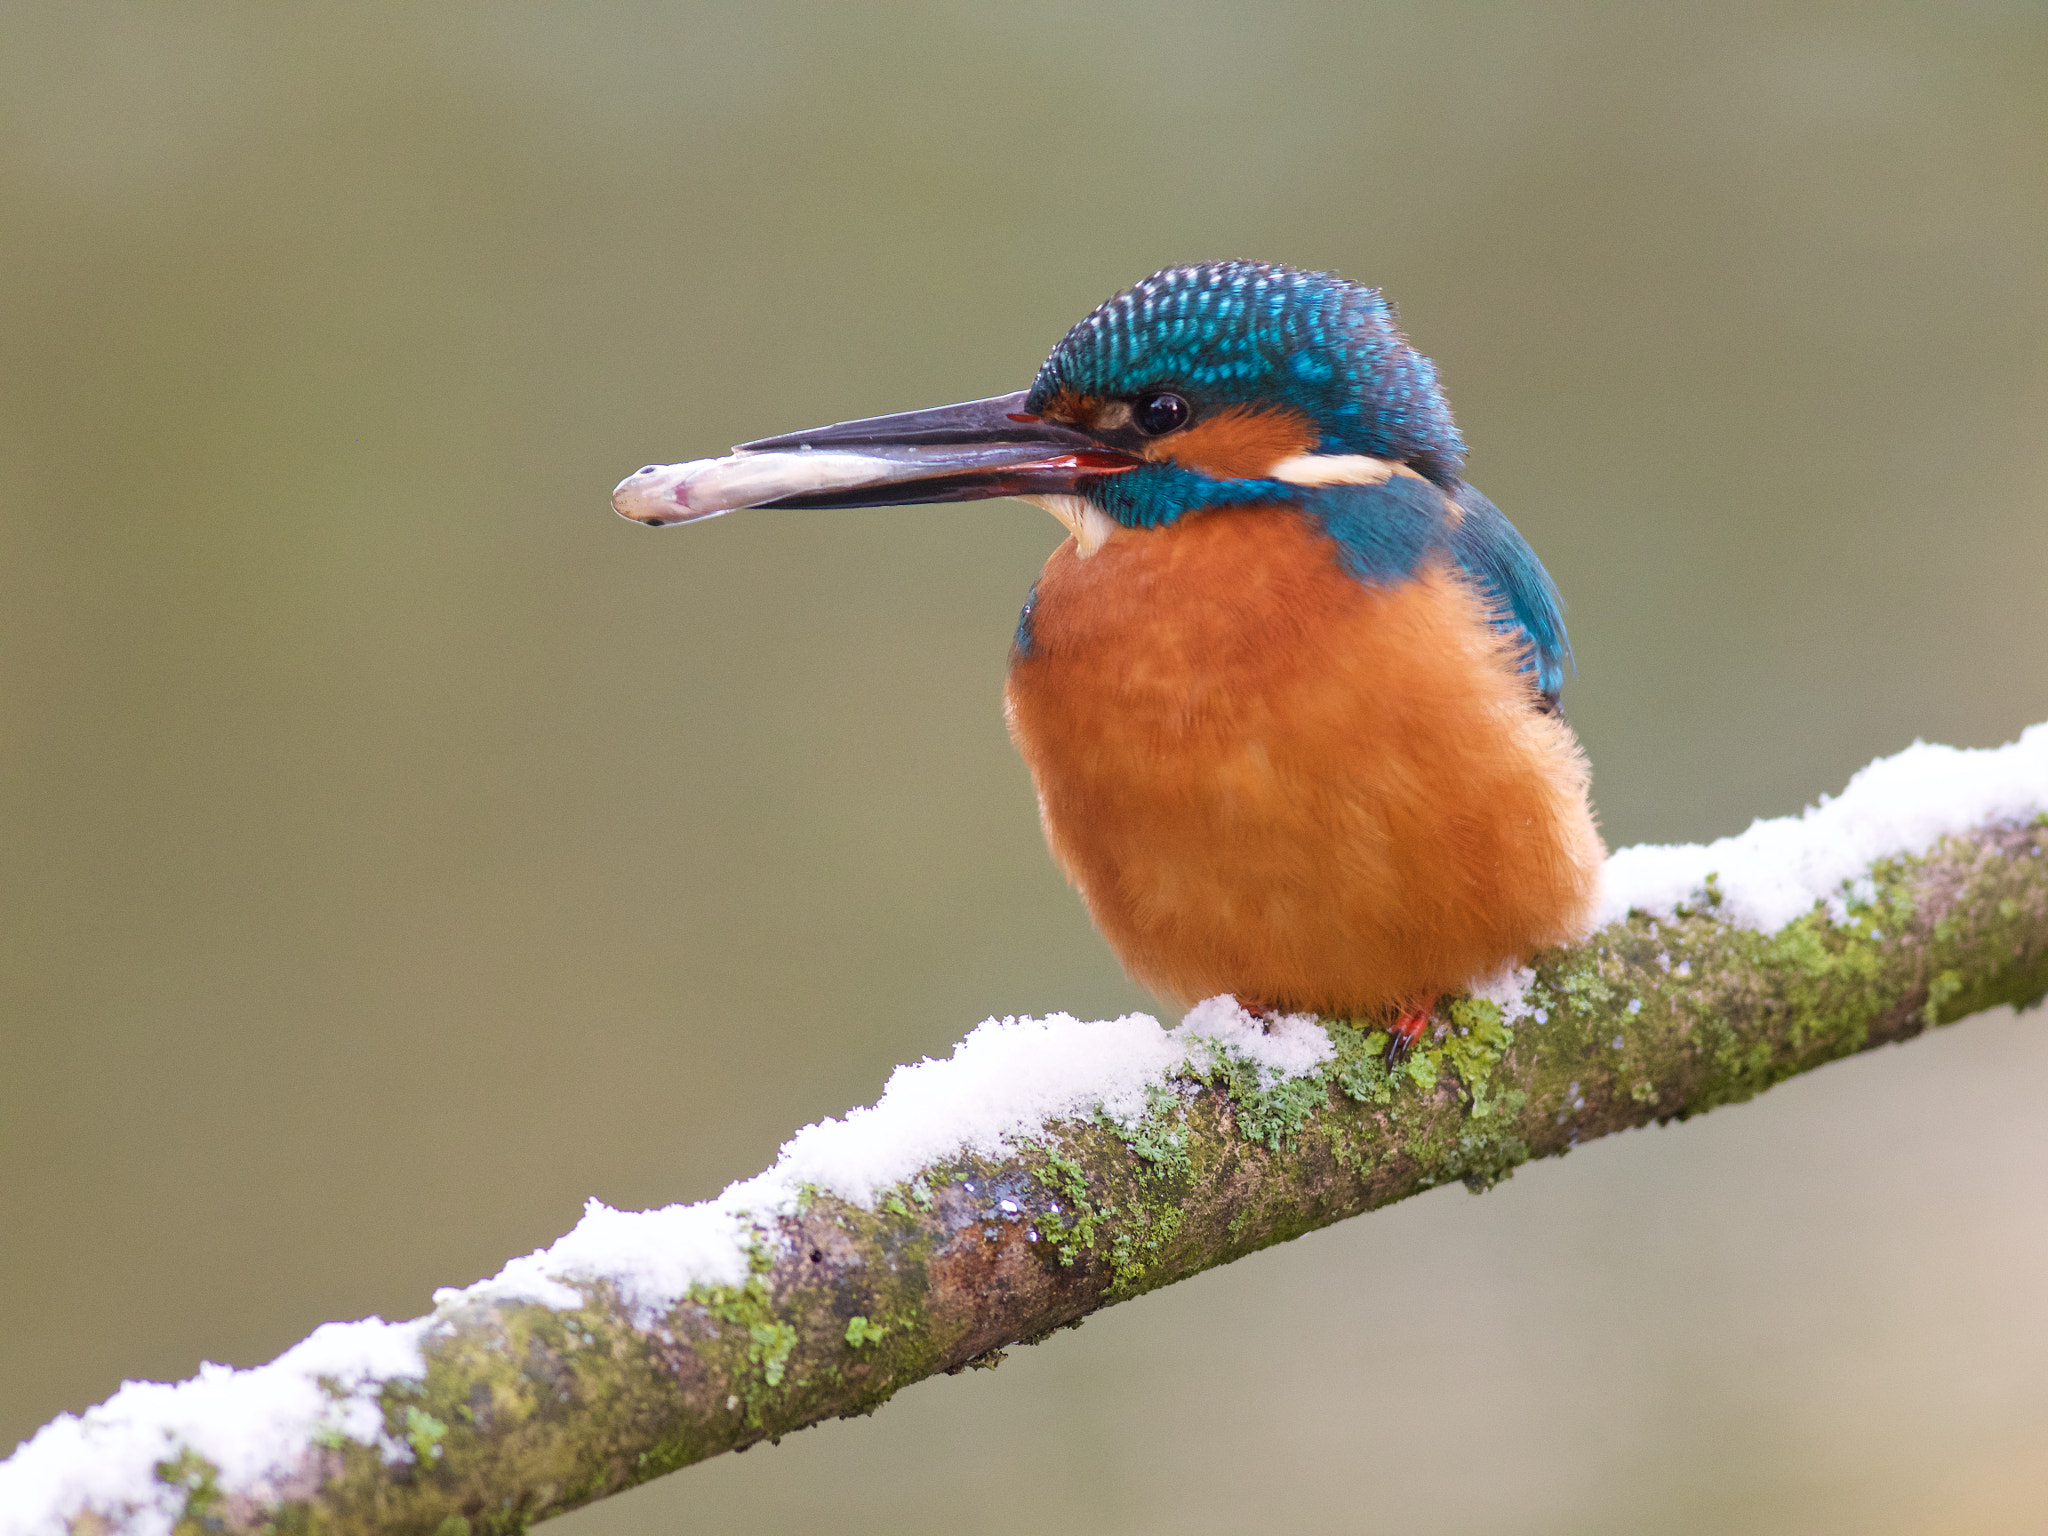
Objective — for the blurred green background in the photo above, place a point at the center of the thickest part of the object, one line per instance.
(400, 848)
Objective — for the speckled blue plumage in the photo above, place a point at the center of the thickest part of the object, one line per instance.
(1247, 332)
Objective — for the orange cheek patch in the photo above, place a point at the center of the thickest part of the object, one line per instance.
(1238, 443)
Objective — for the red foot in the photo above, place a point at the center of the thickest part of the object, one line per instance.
(1407, 1030)
(1265, 1013)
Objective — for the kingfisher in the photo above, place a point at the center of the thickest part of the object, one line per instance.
(1288, 690)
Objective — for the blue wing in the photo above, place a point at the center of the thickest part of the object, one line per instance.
(1497, 557)
(1383, 532)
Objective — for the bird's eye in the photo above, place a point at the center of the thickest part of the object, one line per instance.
(1159, 413)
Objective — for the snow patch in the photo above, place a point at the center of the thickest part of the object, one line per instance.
(1292, 1045)
(255, 1425)
(1508, 992)
(1005, 1081)
(651, 1258)
(1778, 870)
(1003, 1084)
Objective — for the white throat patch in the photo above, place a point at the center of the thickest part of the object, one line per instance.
(1088, 523)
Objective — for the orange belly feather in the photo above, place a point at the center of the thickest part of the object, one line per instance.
(1268, 778)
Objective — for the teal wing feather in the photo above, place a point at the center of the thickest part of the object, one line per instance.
(1496, 556)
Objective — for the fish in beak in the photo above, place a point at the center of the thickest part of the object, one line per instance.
(964, 452)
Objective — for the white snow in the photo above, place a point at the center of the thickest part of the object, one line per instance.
(1002, 1084)
(253, 1425)
(651, 1257)
(1508, 991)
(1005, 1080)
(1778, 870)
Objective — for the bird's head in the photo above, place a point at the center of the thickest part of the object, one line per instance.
(1201, 386)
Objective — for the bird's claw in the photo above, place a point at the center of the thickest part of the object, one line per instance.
(1266, 1013)
(1403, 1034)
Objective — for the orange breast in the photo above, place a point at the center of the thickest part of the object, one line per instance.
(1267, 778)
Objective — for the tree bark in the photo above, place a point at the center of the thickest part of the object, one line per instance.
(528, 1410)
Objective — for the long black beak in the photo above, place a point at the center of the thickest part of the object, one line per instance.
(964, 452)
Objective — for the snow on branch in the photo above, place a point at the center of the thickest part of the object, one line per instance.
(1050, 1167)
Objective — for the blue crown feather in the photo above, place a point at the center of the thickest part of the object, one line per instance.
(1242, 332)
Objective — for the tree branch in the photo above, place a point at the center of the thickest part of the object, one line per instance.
(642, 1343)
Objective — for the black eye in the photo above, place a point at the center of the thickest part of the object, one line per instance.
(1159, 413)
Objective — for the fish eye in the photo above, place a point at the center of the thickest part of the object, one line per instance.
(1160, 412)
